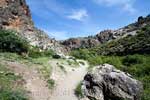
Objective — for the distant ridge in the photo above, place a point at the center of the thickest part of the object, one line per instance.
(106, 35)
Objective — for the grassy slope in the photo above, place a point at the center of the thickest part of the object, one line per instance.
(6, 81)
(137, 64)
(139, 43)
(8, 88)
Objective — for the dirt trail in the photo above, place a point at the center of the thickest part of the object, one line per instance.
(67, 83)
(34, 84)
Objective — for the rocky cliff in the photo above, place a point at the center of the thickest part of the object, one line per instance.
(107, 35)
(15, 15)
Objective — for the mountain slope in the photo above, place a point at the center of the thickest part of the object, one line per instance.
(129, 54)
(15, 15)
(107, 35)
(139, 43)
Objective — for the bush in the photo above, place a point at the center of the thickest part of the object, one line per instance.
(12, 95)
(35, 52)
(56, 56)
(10, 42)
(62, 68)
(81, 62)
(78, 91)
(131, 60)
(7, 81)
(81, 54)
(51, 83)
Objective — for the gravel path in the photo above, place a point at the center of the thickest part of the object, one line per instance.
(67, 83)
(34, 84)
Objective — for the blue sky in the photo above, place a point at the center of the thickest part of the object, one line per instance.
(63, 19)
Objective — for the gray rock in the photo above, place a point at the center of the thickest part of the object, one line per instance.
(105, 82)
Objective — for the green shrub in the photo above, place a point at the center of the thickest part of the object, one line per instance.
(12, 95)
(56, 56)
(35, 52)
(10, 42)
(62, 68)
(92, 98)
(7, 78)
(7, 81)
(81, 53)
(131, 60)
(51, 83)
(49, 53)
(78, 91)
(81, 62)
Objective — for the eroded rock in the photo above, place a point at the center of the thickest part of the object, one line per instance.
(105, 82)
(15, 15)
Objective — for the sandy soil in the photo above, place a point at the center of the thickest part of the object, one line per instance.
(66, 83)
(34, 84)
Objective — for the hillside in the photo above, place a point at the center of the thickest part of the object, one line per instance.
(15, 15)
(111, 65)
(129, 54)
(137, 44)
(107, 35)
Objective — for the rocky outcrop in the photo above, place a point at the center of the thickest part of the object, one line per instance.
(76, 43)
(107, 35)
(105, 82)
(15, 15)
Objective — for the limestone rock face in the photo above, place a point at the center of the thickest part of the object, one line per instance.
(15, 15)
(75, 43)
(105, 82)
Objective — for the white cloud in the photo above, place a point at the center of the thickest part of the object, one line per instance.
(126, 5)
(79, 15)
(48, 8)
(129, 8)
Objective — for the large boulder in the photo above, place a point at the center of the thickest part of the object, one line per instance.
(105, 82)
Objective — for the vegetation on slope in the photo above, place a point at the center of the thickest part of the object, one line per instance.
(78, 91)
(129, 54)
(41, 63)
(16, 49)
(139, 43)
(8, 88)
(35, 52)
(10, 42)
(136, 44)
